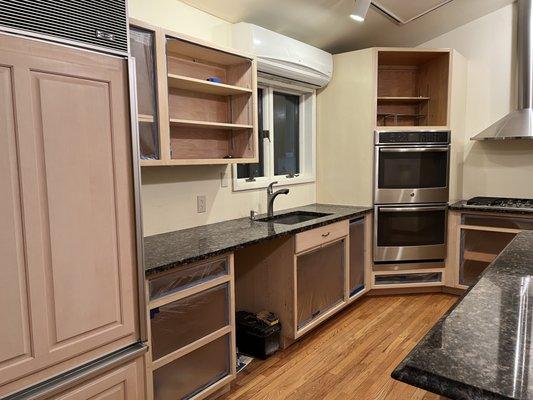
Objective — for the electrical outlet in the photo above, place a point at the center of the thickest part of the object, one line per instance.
(201, 204)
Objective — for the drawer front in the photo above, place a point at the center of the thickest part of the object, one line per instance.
(195, 372)
(319, 236)
(187, 276)
(423, 278)
(182, 322)
(124, 382)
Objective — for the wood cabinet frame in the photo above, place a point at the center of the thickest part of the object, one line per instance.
(266, 275)
(162, 99)
(152, 365)
(455, 228)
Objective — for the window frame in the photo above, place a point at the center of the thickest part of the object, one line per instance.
(307, 137)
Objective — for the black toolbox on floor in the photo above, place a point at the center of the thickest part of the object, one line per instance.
(255, 337)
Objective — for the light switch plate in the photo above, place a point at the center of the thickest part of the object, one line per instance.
(201, 204)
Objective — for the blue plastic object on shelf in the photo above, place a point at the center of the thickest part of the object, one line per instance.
(214, 79)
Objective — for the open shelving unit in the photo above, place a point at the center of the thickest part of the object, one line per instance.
(412, 88)
(209, 122)
(205, 101)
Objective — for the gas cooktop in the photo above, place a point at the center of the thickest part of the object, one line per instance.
(500, 202)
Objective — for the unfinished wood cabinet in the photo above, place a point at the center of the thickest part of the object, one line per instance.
(191, 330)
(206, 101)
(67, 292)
(476, 239)
(412, 87)
(304, 279)
(125, 382)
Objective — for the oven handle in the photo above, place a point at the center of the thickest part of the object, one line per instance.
(409, 209)
(416, 150)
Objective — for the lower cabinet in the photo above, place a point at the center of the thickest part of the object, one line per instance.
(478, 239)
(122, 383)
(306, 278)
(191, 330)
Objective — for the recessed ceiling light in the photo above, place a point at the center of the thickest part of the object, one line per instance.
(360, 10)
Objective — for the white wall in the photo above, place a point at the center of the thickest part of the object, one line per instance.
(169, 193)
(491, 168)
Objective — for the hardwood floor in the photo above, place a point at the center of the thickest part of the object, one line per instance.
(350, 356)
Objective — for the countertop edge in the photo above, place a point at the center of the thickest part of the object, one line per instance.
(440, 384)
(166, 267)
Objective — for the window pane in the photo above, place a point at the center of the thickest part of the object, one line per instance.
(286, 134)
(255, 170)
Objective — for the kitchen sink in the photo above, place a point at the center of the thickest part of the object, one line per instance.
(294, 217)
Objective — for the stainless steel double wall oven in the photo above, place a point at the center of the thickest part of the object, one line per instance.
(411, 189)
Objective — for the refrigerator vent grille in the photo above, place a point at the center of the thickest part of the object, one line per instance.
(88, 22)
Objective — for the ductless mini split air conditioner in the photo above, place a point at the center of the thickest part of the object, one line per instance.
(283, 56)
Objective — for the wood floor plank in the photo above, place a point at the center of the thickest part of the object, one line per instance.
(350, 356)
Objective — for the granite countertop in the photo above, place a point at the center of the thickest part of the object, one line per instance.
(482, 348)
(169, 250)
(461, 206)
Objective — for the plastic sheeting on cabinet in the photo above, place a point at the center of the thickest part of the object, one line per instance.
(320, 278)
(186, 276)
(184, 321)
(187, 376)
(357, 256)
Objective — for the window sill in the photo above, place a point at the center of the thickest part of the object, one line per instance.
(262, 183)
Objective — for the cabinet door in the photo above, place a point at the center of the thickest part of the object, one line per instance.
(68, 234)
(320, 281)
(478, 249)
(357, 257)
(142, 44)
(123, 383)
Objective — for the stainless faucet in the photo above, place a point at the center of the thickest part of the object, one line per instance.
(271, 196)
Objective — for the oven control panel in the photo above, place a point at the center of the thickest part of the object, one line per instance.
(409, 137)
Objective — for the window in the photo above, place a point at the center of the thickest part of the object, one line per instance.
(286, 138)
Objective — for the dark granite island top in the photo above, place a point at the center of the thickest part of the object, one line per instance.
(169, 250)
(482, 348)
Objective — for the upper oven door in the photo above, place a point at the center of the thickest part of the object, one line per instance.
(417, 174)
(410, 233)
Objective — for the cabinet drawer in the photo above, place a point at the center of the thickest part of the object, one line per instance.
(409, 279)
(316, 237)
(187, 276)
(195, 372)
(182, 322)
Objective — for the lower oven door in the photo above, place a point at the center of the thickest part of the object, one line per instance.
(407, 233)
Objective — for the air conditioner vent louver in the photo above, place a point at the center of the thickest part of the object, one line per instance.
(88, 22)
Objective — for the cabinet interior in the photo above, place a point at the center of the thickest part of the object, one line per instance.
(412, 88)
(209, 120)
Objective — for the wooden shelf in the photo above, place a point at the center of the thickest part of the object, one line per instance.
(198, 85)
(479, 256)
(402, 100)
(205, 124)
(392, 115)
(199, 161)
(145, 118)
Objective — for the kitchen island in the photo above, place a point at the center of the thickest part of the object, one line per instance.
(481, 349)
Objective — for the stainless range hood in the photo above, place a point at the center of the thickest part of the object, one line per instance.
(519, 124)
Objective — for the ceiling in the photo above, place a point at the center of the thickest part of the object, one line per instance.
(326, 23)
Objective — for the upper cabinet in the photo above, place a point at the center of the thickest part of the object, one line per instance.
(197, 103)
(412, 88)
